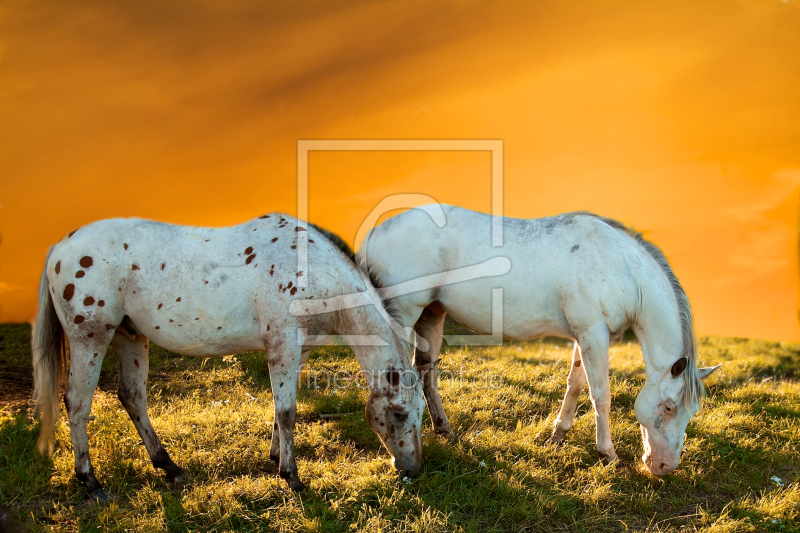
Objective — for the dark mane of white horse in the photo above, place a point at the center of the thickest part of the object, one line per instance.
(693, 389)
(338, 242)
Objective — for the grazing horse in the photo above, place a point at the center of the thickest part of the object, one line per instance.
(208, 292)
(575, 275)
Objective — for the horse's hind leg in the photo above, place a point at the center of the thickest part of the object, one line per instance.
(430, 326)
(133, 358)
(575, 384)
(86, 359)
(284, 367)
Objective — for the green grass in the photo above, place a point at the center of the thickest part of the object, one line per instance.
(500, 475)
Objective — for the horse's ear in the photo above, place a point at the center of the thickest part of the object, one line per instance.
(707, 371)
(679, 367)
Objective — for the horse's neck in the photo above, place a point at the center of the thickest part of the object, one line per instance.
(375, 343)
(659, 325)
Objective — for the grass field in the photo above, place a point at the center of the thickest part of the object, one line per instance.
(499, 475)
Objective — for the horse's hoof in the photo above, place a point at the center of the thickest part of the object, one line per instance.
(447, 434)
(292, 480)
(558, 436)
(101, 495)
(609, 459)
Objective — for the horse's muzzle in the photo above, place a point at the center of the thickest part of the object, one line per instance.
(659, 466)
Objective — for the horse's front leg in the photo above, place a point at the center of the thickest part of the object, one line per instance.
(575, 384)
(594, 354)
(284, 368)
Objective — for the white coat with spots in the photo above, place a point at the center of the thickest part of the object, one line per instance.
(576, 275)
(208, 292)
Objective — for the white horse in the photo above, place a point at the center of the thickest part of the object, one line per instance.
(208, 292)
(575, 275)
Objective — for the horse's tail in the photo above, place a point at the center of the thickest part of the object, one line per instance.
(48, 364)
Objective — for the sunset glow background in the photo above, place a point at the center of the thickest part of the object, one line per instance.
(681, 118)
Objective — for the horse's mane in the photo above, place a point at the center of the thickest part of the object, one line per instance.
(693, 389)
(361, 262)
(336, 241)
(388, 305)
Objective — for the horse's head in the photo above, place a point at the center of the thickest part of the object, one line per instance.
(663, 408)
(394, 411)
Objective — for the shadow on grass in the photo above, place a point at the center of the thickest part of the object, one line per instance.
(24, 472)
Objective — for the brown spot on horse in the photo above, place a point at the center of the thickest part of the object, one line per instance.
(178, 299)
(79, 274)
(134, 267)
(158, 327)
(69, 290)
(125, 245)
(163, 265)
(264, 216)
(88, 300)
(90, 335)
(58, 267)
(71, 233)
(79, 319)
(160, 305)
(274, 240)
(101, 303)
(250, 259)
(577, 364)
(249, 250)
(136, 362)
(294, 290)
(86, 261)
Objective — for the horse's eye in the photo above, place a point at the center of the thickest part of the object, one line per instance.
(402, 417)
(668, 409)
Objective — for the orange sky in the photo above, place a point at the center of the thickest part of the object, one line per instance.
(679, 117)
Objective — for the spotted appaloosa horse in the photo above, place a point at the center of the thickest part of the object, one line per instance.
(576, 275)
(208, 292)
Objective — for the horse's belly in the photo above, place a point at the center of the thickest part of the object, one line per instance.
(200, 328)
(517, 312)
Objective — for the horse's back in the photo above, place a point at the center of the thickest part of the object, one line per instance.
(561, 267)
(195, 290)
